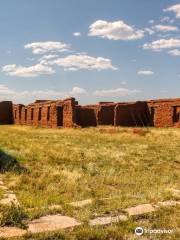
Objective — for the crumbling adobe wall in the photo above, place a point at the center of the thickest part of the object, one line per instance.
(46, 113)
(132, 114)
(6, 112)
(43, 114)
(23, 119)
(165, 112)
(67, 113)
(86, 116)
(17, 113)
(105, 114)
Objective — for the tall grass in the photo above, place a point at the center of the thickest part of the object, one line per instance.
(117, 169)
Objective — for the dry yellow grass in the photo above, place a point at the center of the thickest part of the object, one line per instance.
(65, 165)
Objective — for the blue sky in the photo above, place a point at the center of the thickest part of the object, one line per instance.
(105, 50)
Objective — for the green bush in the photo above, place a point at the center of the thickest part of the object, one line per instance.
(13, 216)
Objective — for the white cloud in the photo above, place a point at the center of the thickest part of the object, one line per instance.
(165, 28)
(118, 92)
(45, 47)
(151, 21)
(175, 9)
(145, 72)
(149, 30)
(45, 59)
(174, 52)
(117, 30)
(163, 44)
(166, 19)
(78, 91)
(77, 34)
(32, 71)
(76, 62)
(164, 35)
(4, 90)
(7, 93)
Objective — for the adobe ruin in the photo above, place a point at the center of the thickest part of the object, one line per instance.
(68, 113)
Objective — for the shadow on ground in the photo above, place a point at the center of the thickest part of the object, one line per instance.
(9, 163)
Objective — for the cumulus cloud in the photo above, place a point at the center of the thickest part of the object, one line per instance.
(45, 47)
(174, 52)
(7, 93)
(145, 72)
(118, 92)
(76, 62)
(68, 63)
(163, 44)
(165, 28)
(77, 34)
(45, 59)
(117, 30)
(32, 71)
(174, 8)
(78, 91)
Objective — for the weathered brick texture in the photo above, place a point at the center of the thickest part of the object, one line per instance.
(67, 113)
(165, 112)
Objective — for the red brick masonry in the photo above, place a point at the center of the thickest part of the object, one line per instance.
(67, 113)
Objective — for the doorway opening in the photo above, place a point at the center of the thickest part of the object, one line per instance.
(59, 116)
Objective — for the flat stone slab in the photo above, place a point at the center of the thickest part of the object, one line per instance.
(81, 203)
(140, 209)
(107, 220)
(52, 223)
(8, 232)
(9, 199)
(169, 203)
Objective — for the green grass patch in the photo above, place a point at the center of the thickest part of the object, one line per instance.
(117, 169)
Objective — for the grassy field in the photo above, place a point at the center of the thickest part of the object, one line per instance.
(115, 168)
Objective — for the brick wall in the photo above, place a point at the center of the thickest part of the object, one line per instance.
(67, 113)
(17, 113)
(6, 115)
(86, 116)
(105, 114)
(132, 114)
(165, 112)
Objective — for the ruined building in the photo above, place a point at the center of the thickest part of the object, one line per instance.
(67, 113)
